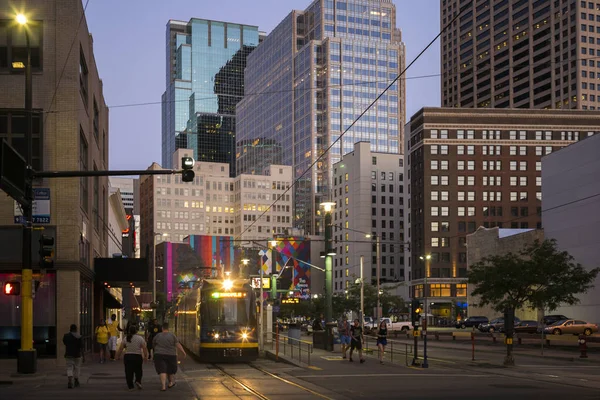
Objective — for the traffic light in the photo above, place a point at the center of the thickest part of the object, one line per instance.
(12, 288)
(46, 252)
(416, 311)
(187, 165)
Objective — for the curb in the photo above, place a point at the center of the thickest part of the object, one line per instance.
(284, 359)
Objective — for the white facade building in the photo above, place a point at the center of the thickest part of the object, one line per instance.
(369, 196)
(129, 188)
(117, 223)
(214, 203)
(571, 213)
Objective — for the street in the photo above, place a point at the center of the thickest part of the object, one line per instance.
(451, 375)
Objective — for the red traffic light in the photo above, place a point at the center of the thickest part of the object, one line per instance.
(12, 288)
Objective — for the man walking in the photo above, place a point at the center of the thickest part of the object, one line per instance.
(356, 340)
(344, 331)
(113, 330)
(153, 329)
(73, 355)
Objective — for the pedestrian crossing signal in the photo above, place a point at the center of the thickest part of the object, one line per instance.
(12, 288)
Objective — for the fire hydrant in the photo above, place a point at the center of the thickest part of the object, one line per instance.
(582, 346)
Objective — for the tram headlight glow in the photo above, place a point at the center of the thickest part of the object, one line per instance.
(244, 335)
(227, 284)
(216, 336)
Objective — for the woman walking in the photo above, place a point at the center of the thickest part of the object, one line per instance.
(381, 339)
(165, 346)
(102, 335)
(135, 354)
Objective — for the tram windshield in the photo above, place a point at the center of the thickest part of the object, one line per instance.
(226, 311)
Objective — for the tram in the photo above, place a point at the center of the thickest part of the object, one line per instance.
(216, 320)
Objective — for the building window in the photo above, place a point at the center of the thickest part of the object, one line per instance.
(461, 290)
(434, 164)
(434, 196)
(460, 165)
(435, 180)
(444, 196)
(13, 128)
(434, 226)
(83, 77)
(13, 45)
(374, 160)
(83, 166)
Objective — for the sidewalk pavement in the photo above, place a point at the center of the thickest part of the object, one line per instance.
(98, 381)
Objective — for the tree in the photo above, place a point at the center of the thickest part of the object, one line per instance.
(538, 276)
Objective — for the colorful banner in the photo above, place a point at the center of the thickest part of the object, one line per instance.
(289, 253)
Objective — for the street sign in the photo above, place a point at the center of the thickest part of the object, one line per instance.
(255, 283)
(41, 207)
(13, 171)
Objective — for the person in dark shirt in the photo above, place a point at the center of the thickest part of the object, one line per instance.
(382, 339)
(73, 355)
(356, 339)
(154, 328)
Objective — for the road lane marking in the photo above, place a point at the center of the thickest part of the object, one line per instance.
(387, 375)
(315, 368)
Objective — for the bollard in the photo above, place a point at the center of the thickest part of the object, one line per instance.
(472, 346)
(582, 346)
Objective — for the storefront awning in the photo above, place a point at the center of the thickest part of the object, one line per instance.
(110, 301)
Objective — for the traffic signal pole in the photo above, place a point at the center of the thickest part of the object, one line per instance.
(26, 357)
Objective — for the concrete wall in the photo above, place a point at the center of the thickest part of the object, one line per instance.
(571, 213)
(489, 242)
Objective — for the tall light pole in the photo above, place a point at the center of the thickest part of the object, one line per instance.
(154, 271)
(329, 252)
(427, 259)
(362, 296)
(378, 272)
(27, 359)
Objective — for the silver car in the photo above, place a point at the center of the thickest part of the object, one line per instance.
(572, 326)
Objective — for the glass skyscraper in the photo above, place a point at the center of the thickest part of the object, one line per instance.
(310, 78)
(204, 82)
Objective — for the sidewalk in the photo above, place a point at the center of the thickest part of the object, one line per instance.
(97, 381)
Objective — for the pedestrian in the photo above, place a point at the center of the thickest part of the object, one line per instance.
(153, 329)
(73, 355)
(135, 354)
(381, 339)
(356, 339)
(102, 335)
(344, 331)
(113, 329)
(165, 356)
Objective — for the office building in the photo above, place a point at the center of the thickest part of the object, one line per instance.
(360, 179)
(117, 223)
(214, 204)
(571, 213)
(205, 63)
(130, 192)
(467, 168)
(62, 141)
(317, 71)
(521, 54)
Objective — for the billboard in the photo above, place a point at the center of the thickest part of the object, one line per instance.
(290, 252)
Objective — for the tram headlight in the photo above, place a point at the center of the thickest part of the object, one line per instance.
(227, 284)
(244, 335)
(216, 336)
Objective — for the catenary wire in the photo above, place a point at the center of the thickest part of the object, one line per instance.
(310, 167)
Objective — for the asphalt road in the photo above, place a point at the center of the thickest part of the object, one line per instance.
(329, 378)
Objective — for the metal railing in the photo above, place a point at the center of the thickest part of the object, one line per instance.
(297, 349)
(393, 349)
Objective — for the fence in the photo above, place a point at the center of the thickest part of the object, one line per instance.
(297, 349)
(393, 349)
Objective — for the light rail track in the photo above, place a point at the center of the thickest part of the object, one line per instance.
(260, 395)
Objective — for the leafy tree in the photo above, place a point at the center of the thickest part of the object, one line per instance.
(538, 276)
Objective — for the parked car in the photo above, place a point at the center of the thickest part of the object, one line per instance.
(398, 325)
(550, 319)
(471, 322)
(573, 326)
(495, 325)
(526, 327)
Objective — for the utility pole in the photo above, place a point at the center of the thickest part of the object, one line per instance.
(378, 256)
(362, 295)
(328, 206)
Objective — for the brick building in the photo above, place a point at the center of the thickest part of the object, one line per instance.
(467, 168)
(486, 242)
(70, 133)
(521, 54)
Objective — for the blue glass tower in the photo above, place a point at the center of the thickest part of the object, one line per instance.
(204, 82)
(316, 72)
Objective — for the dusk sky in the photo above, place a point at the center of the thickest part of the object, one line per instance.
(129, 46)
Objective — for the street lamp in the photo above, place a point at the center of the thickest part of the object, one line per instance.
(327, 207)
(27, 360)
(154, 270)
(245, 262)
(427, 260)
(378, 257)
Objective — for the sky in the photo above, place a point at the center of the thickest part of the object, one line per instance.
(129, 48)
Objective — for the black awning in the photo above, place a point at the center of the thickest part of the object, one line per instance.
(110, 301)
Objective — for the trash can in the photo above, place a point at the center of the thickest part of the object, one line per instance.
(331, 332)
(293, 333)
(319, 339)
